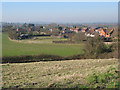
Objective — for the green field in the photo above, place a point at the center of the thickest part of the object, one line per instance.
(12, 48)
(62, 74)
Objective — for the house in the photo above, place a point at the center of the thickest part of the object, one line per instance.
(102, 33)
(107, 35)
(109, 32)
(51, 30)
(31, 27)
(18, 29)
(84, 30)
(106, 32)
(75, 29)
(67, 31)
(96, 30)
(44, 27)
(63, 31)
(90, 33)
(64, 28)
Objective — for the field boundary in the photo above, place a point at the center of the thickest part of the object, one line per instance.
(14, 40)
(43, 57)
(62, 60)
(53, 42)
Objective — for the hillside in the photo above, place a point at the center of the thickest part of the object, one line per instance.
(72, 73)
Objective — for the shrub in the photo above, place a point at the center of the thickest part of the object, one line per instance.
(95, 48)
(79, 37)
(13, 34)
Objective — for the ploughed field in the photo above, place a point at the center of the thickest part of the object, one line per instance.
(30, 47)
(72, 73)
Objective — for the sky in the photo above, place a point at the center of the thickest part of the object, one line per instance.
(60, 12)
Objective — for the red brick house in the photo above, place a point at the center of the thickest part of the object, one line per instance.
(74, 29)
(102, 33)
(105, 33)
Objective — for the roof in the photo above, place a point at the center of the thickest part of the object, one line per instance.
(74, 28)
(103, 30)
(68, 31)
(90, 31)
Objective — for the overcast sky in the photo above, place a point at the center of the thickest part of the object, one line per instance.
(60, 12)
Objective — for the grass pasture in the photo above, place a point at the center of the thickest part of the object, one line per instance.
(62, 74)
(12, 48)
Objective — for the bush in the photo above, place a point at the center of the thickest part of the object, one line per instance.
(79, 37)
(95, 48)
(13, 34)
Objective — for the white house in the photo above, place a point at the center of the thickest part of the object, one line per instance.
(89, 35)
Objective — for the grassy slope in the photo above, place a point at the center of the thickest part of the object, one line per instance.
(58, 73)
(11, 48)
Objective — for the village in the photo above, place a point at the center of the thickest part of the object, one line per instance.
(26, 31)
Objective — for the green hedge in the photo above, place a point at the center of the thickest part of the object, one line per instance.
(30, 58)
(79, 56)
(37, 58)
(44, 57)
